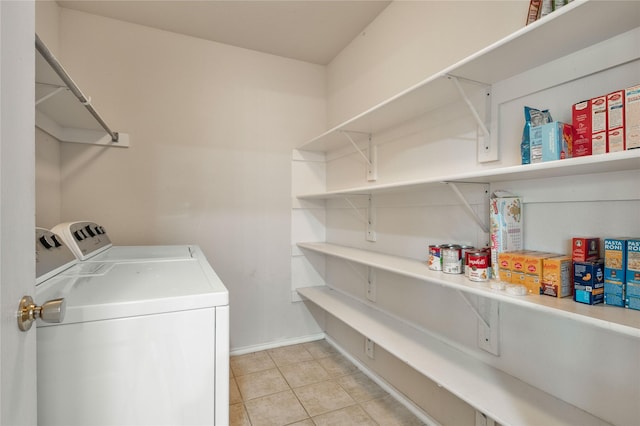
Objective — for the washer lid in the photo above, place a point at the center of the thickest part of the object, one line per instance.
(143, 253)
(136, 288)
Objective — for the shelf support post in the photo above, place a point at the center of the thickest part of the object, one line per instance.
(472, 108)
(371, 159)
(50, 95)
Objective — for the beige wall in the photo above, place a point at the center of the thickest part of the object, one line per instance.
(410, 41)
(211, 128)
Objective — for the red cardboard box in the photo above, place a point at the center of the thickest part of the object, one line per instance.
(585, 249)
(581, 120)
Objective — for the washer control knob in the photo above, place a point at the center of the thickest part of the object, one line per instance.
(28, 312)
(55, 241)
(90, 231)
(45, 242)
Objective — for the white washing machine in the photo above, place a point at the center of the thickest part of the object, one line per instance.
(90, 242)
(142, 342)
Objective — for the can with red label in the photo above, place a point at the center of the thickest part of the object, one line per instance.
(478, 263)
(452, 259)
(463, 254)
(435, 261)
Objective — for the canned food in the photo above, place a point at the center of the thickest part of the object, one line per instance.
(478, 262)
(452, 259)
(435, 261)
(463, 254)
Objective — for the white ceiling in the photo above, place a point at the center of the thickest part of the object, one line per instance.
(309, 30)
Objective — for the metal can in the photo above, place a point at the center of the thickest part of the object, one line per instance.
(463, 254)
(479, 262)
(434, 261)
(452, 259)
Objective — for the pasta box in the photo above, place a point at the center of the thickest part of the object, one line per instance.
(588, 278)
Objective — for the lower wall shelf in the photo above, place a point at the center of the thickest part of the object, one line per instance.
(619, 320)
(501, 396)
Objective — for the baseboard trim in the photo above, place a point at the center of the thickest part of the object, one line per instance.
(272, 345)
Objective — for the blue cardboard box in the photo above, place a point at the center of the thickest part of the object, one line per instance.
(588, 278)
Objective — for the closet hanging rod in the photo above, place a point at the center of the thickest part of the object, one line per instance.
(57, 67)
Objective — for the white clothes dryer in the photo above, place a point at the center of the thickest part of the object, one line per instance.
(142, 342)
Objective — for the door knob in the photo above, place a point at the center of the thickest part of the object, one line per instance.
(50, 311)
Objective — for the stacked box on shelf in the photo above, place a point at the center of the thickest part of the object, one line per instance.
(632, 117)
(615, 261)
(588, 278)
(632, 274)
(556, 276)
(505, 214)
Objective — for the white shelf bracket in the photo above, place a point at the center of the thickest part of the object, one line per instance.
(486, 145)
(468, 207)
(369, 220)
(472, 108)
(488, 313)
(371, 159)
(50, 94)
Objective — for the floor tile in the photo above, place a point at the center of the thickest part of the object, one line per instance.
(238, 415)
(320, 349)
(337, 365)
(352, 415)
(360, 387)
(251, 363)
(289, 355)
(262, 383)
(323, 397)
(389, 412)
(304, 373)
(278, 409)
(234, 392)
(307, 422)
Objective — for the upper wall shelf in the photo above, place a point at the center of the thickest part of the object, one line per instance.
(610, 162)
(63, 111)
(576, 26)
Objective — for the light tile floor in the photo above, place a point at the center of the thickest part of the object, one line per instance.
(305, 385)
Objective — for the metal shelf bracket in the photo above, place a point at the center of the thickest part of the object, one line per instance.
(371, 158)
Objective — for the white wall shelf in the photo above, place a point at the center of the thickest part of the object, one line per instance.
(59, 111)
(620, 320)
(573, 27)
(611, 162)
(500, 396)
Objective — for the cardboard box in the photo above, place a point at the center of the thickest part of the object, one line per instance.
(588, 278)
(615, 121)
(632, 275)
(581, 122)
(599, 143)
(632, 272)
(615, 260)
(615, 110)
(507, 227)
(585, 249)
(615, 139)
(557, 141)
(598, 115)
(632, 117)
(557, 280)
